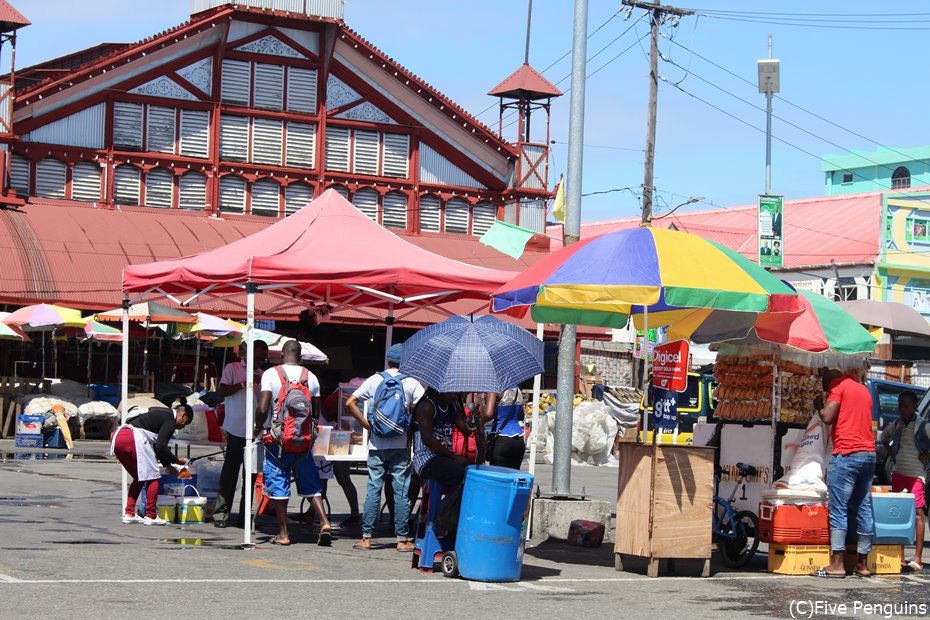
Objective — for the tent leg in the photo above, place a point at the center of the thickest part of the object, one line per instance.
(124, 391)
(249, 410)
(646, 371)
(197, 365)
(534, 436)
(389, 332)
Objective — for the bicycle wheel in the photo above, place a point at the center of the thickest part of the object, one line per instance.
(742, 539)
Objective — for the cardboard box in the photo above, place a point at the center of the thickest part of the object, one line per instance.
(797, 559)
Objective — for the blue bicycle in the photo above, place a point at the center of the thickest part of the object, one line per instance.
(735, 532)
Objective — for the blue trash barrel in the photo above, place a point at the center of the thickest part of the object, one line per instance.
(489, 540)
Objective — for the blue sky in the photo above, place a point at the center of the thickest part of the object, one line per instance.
(862, 76)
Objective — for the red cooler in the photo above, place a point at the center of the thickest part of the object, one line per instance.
(786, 519)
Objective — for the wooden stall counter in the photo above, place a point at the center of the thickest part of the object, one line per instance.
(665, 499)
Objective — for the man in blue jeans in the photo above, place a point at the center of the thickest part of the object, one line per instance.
(387, 456)
(849, 475)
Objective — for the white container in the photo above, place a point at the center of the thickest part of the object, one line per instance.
(321, 445)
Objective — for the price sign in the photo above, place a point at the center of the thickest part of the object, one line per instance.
(670, 371)
(665, 408)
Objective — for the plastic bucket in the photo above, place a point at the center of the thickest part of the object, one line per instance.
(167, 507)
(489, 541)
(192, 509)
(179, 487)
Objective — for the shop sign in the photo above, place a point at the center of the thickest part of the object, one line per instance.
(771, 241)
(665, 408)
(670, 366)
(645, 343)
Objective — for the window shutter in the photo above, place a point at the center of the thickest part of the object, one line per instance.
(85, 181)
(192, 191)
(126, 184)
(396, 155)
(483, 215)
(395, 210)
(269, 86)
(234, 138)
(266, 197)
(127, 126)
(430, 208)
(267, 141)
(301, 90)
(337, 149)
(232, 194)
(457, 216)
(19, 174)
(159, 188)
(366, 201)
(365, 152)
(296, 197)
(51, 178)
(237, 81)
(301, 140)
(160, 129)
(195, 133)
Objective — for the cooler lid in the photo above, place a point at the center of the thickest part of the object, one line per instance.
(497, 474)
(792, 494)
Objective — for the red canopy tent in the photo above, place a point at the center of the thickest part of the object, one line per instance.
(328, 255)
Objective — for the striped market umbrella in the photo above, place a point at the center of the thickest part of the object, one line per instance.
(45, 318)
(11, 332)
(663, 273)
(472, 354)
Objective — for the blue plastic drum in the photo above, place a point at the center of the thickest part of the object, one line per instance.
(492, 522)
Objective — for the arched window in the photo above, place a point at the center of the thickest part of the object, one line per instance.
(85, 181)
(430, 209)
(457, 216)
(192, 191)
(366, 201)
(232, 194)
(159, 188)
(296, 197)
(483, 216)
(266, 197)
(126, 184)
(901, 178)
(51, 178)
(19, 174)
(394, 209)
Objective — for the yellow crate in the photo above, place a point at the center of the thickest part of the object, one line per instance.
(798, 559)
(883, 559)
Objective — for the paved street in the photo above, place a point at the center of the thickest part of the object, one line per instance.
(63, 552)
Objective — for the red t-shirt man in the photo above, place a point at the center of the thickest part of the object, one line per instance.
(852, 431)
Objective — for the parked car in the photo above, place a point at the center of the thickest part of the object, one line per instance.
(884, 412)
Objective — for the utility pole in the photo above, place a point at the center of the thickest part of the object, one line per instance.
(562, 450)
(657, 13)
(768, 85)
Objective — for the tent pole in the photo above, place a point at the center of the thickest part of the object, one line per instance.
(646, 372)
(124, 390)
(247, 490)
(389, 332)
(534, 436)
(43, 355)
(197, 364)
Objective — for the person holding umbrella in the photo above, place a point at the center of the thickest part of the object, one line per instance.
(437, 414)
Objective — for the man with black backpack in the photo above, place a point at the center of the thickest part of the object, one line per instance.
(292, 394)
(392, 396)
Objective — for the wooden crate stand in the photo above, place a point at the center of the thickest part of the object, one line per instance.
(665, 498)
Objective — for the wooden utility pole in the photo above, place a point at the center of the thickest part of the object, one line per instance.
(657, 13)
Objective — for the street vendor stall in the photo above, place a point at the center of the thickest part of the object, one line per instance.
(328, 255)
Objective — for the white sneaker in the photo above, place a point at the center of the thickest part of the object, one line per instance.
(133, 518)
(154, 521)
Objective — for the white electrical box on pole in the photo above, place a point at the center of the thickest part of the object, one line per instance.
(769, 84)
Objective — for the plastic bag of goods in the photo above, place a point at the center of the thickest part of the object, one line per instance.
(208, 476)
(806, 472)
(197, 430)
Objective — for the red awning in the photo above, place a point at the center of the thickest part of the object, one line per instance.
(330, 255)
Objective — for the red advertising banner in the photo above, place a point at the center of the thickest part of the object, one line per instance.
(670, 368)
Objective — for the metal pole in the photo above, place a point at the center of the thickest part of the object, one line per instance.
(768, 134)
(124, 391)
(534, 434)
(646, 373)
(529, 21)
(197, 363)
(389, 332)
(562, 450)
(247, 489)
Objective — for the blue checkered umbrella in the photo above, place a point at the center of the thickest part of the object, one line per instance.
(472, 354)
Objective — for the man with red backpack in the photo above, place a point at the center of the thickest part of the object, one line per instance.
(292, 395)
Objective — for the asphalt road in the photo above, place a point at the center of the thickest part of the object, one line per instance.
(64, 553)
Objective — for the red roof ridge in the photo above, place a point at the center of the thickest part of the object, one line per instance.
(11, 17)
(444, 103)
(526, 79)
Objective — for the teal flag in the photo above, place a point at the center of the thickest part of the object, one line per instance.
(507, 238)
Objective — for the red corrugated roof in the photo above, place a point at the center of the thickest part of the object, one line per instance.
(844, 228)
(10, 18)
(525, 80)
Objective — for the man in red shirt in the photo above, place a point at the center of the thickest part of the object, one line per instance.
(849, 476)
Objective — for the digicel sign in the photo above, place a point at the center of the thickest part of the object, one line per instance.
(670, 369)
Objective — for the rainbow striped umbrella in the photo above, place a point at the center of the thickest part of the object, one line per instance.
(658, 272)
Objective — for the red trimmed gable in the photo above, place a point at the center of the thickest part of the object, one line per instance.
(525, 81)
(10, 18)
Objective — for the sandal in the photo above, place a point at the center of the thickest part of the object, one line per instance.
(363, 545)
(822, 572)
(913, 566)
(326, 539)
(277, 541)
